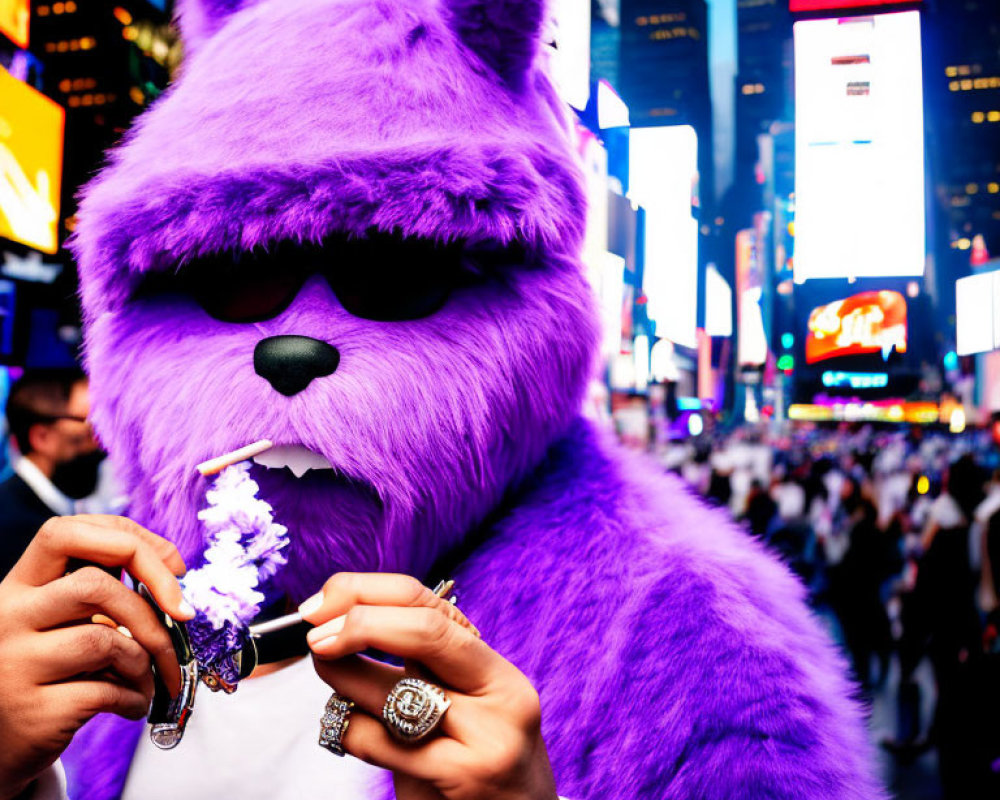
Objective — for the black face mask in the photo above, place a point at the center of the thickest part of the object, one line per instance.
(77, 477)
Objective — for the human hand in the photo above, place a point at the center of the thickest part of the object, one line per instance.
(58, 668)
(489, 742)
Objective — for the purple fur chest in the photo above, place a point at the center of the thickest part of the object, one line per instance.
(673, 658)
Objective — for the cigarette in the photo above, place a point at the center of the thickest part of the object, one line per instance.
(442, 590)
(219, 463)
(272, 625)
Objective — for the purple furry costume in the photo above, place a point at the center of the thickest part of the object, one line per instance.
(674, 658)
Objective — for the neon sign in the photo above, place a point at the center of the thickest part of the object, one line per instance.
(869, 322)
(832, 5)
(31, 142)
(14, 21)
(856, 380)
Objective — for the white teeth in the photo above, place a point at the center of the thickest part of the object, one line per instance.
(297, 458)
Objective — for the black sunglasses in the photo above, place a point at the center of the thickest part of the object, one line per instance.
(49, 418)
(382, 277)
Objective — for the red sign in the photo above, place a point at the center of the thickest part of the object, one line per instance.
(836, 5)
(869, 322)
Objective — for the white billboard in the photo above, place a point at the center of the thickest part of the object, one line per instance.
(977, 313)
(570, 56)
(859, 147)
(663, 176)
(718, 304)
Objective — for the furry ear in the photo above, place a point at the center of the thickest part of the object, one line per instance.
(505, 34)
(200, 19)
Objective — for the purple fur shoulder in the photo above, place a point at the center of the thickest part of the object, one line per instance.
(674, 657)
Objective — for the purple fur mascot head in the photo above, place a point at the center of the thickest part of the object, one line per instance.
(298, 121)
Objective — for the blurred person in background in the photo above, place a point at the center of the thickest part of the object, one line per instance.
(791, 533)
(856, 583)
(948, 623)
(632, 422)
(980, 541)
(761, 510)
(58, 459)
(720, 487)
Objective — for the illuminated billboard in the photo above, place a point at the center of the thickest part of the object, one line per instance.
(31, 141)
(718, 304)
(569, 62)
(868, 322)
(663, 179)
(859, 147)
(836, 5)
(751, 346)
(14, 21)
(977, 313)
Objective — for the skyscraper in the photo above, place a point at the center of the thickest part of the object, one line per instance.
(664, 69)
(763, 87)
(664, 61)
(962, 79)
(104, 62)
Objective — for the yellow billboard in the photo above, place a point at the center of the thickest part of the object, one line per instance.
(14, 21)
(31, 150)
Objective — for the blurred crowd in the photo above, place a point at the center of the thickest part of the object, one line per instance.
(896, 536)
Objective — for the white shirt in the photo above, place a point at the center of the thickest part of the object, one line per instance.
(980, 519)
(989, 506)
(791, 500)
(57, 502)
(260, 742)
(51, 784)
(946, 512)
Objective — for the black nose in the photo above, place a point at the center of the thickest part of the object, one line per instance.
(289, 363)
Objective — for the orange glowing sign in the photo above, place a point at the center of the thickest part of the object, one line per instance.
(869, 322)
(14, 21)
(31, 143)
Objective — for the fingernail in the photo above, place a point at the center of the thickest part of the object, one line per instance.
(323, 644)
(311, 605)
(186, 609)
(327, 629)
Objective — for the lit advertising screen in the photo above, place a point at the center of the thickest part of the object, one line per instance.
(977, 313)
(859, 147)
(31, 142)
(14, 21)
(569, 63)
(752, 341)
(868, 322)
(663, 179)
(718, 304)
(836, 5)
